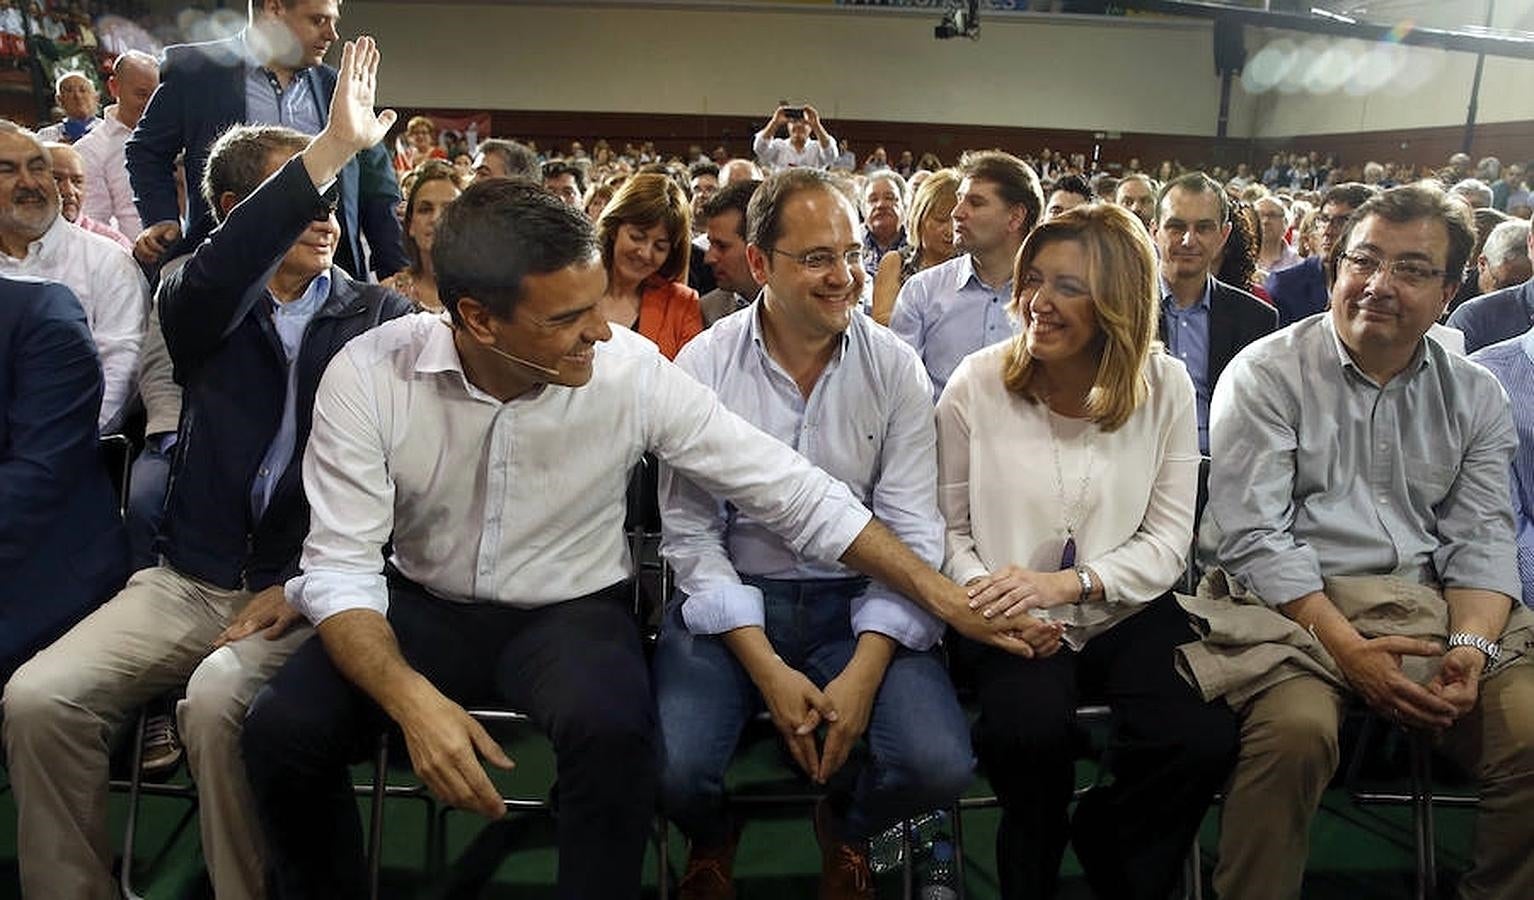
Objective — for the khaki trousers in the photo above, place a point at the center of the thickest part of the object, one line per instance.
(1289, 752)
(63, 705)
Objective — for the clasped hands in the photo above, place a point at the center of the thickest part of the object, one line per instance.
(1373, 667)
(995, 609)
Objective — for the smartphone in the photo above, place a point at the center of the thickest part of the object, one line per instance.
(794, 112)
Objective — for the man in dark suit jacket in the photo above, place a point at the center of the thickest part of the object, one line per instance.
(271, 73)
(250, 321)
(1204, 321)
(1304, 290)
(62, 546)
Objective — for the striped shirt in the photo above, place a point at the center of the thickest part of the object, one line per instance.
(1512, 361)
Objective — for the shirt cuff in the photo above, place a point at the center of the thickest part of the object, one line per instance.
(320, 595)
(724, 608)
(1282, 580)
(892, 615)
(828, 542)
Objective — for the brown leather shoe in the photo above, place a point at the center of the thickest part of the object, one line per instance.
(710, 872)
(844, 872)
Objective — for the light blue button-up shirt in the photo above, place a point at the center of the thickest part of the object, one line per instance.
(868, 422)
(946, 312)
(290, 320)
(1512, 361)
(268, 103)
(1186, 332)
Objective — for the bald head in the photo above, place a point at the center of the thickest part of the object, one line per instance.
(739, 170)
(135, 75)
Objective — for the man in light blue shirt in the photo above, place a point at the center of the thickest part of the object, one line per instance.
(1512, 361)
(755, 624)
(953, 309)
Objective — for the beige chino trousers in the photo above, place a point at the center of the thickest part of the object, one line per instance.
(1289, 752)
(63, 705)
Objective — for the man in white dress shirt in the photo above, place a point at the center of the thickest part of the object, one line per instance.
(35, 240)
(808, 143)
(493, 450)
(108, 196)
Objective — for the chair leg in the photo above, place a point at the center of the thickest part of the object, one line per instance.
(130, 828)
(907, 864)
(957, 824)
(1420, 752)
(662, 858)
(375, 834)
(1193, 873)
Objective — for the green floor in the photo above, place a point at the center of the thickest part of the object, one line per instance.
(1358, 853)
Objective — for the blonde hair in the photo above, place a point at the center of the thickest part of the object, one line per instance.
(646, 200)
(937, 187)
(1121, 275)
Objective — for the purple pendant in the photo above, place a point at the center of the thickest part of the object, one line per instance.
(1068, 555)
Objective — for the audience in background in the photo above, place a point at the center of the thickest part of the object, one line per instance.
(434, 187)
(108, 195)
(724, 225)
(79, 99)
(1501, 314)
(565, 181)
(1274, 253)
(929, 226)
(1067, 192)
(703, 183)
(1136, 192)
(1235, 263)
(884, 197)
(69, 178)
(419, 145)
(506, 159)
(1504, 257)
(644, 235)
(1301, 290)
(36, 241)
(954, 308)
(808, 143)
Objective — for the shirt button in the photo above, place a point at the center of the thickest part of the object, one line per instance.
(265, 471)
(1384, 501)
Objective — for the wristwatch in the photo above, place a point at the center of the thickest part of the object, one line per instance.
(1085, 579)
(1491, 648)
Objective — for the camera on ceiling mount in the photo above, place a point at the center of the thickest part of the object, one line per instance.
(959, 20)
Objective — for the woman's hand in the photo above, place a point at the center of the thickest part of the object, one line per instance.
(1013, 590)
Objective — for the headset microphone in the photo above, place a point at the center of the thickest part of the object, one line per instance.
(554, 373)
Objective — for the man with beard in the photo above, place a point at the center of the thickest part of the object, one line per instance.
(952, 309)
(35, 240)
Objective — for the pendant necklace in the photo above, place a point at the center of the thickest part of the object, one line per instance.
(1070, 512)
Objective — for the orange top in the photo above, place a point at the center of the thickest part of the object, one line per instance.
(669, 315)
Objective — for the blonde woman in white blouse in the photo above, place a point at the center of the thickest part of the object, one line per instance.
(1067, 467)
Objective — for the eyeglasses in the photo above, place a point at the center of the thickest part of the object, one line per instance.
(1407, 271)
(822, 260)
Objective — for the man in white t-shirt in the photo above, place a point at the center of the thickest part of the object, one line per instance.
(808, 143)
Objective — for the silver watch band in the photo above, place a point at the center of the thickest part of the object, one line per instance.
(1490, 648)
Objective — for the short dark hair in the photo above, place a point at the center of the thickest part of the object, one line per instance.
(521, 161)
(1350, 192)
(1015, 179)
(1074, 184)
(498, 232)
(735, 197)
(764, 214)
(702, 168)
(558, 167)
(237, 161)
(1195, 183)
(1414, 202)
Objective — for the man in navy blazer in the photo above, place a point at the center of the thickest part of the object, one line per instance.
(250, 322)
(62, 546)
(271, 73)
(1304, 290)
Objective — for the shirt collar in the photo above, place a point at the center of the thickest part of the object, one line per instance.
(248, 51)
(52, 240)
(758, 337)
(307, 303)
(1169, 302)
(1420, 360)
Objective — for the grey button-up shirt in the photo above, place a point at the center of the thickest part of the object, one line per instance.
(1316, 470)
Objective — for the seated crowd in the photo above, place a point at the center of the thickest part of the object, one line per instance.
(917, 425)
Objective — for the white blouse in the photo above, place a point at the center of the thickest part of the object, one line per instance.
(1001, 497)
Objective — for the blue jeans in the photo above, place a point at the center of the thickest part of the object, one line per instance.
(919, 754)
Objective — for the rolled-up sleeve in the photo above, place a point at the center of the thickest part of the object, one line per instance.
(724, 455)
(1475, 520)
(351, 499)
(1249, 519)
(905, 499)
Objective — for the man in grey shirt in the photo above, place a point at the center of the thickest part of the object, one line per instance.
(1360, 526)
